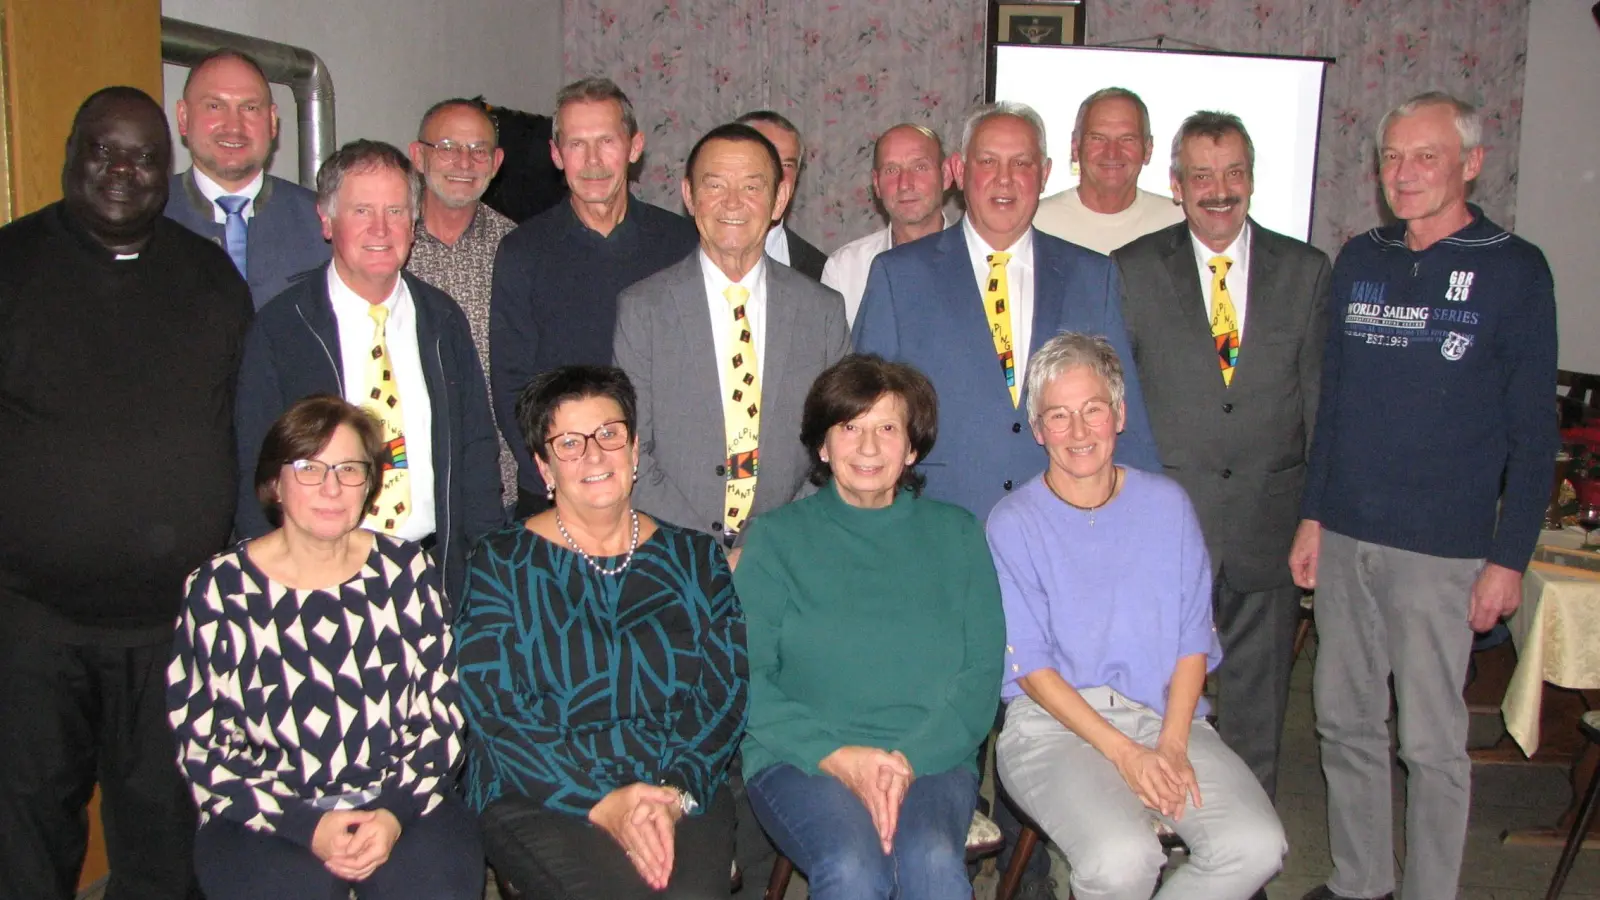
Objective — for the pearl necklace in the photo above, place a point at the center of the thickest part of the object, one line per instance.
(1116, 480)
(626, 559)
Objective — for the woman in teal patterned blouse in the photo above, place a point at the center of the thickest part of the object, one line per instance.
(602, 667)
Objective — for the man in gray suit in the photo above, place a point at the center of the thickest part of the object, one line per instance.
(719, 432)
(1226, 320)
(722, 349)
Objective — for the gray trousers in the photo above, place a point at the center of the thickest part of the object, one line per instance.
(1383, 611)
(1235, 840)
(1256, 629)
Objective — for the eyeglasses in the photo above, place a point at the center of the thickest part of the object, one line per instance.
(313, 472)
(570, 446)
(1058, 419)
(480, 152)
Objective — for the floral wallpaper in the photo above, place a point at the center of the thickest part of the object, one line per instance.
(845, 70)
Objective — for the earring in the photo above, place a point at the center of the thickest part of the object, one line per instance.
(635, 472)
(550, 492)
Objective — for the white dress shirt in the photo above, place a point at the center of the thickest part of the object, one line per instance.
(400, 336)
(211, 191)
(1019, 284)
(1238, 279)
(847, 268)
(778, 243)
(755, 309)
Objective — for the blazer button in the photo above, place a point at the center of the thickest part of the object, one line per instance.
(1008, 484)
(1226, 407)
(1227, 473)
(722, 470)
(1016, 427)
(716, 527)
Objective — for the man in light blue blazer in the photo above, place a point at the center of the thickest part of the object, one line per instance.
(968, 304)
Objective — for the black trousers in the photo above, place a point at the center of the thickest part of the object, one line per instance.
(438, 857)
(557, 856)
(72, 715)
(1256, 630)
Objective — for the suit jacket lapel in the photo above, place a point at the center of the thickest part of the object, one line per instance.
(968, 318)
(781, 329)
(693, 319)
(1188, 293)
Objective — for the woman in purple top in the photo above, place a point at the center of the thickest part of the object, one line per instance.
(1107, 592)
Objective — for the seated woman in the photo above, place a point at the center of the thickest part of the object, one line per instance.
(312, 690)
(876, 638)
(1107, 590)
(602, 670)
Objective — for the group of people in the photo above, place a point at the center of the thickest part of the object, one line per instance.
(625, 549)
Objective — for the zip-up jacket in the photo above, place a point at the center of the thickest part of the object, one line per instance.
(292, 352)
(1436, 432)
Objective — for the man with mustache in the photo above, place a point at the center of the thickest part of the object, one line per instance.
(268, 226)
(784, 245)
(1428, 479)
(557, 276)
(1111, 145)
(120, 333)
(1227, 320)
(457, 152)
(909, 178)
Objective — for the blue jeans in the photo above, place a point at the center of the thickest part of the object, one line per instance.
(827, 833)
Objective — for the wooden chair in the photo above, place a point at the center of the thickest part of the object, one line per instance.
(1590, 726)
(783, 869)
(1028, 842)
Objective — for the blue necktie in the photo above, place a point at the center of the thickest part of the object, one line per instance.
(234, 231)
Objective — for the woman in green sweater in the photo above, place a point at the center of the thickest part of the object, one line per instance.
(876, 640)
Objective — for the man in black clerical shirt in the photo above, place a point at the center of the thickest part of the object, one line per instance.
(120, 335)
(557, 276)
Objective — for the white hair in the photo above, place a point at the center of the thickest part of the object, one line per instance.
(1469, 122)
(1068, 350)
(1004, 108)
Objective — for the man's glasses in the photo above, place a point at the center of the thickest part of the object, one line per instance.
(313, 472)
(571, 445)
(449, 150)
(1058, 419)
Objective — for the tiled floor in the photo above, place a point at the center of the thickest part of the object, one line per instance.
(1503, 797)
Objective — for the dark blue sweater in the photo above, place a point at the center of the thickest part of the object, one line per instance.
(284, 238)
(554, 301)
(1437, 395)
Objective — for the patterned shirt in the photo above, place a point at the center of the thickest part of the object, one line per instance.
(289, 703)
(465, 271)
(576, 683)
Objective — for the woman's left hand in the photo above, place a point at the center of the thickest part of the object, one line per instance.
(1177, 758)
(369, 847)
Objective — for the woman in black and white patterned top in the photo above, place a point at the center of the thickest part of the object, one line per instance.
(312, 690)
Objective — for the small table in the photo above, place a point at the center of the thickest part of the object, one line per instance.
(1557, 636)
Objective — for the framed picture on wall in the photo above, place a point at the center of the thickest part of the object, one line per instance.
(1042, 22)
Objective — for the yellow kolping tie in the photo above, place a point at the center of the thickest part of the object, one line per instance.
(997, 305)
(392, 506)
(1224, 321)
(741, 412)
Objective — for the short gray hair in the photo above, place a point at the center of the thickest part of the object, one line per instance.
(1004, 108)
(1068, 350)
(594, 90)
(359, 157)
(1216, 126)
(1112, 93)
(1469, 122)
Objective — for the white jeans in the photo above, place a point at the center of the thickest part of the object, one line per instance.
(1080, 800)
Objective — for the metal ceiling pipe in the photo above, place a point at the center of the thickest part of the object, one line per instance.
(185, 43)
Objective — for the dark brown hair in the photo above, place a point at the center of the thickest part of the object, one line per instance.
(538, 402)
(849, 388)
(301, 433)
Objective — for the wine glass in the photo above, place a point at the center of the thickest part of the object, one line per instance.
(1588, 509)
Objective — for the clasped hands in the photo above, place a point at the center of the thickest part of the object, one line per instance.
(353, 843)
(641, 817)
(880, 778)
(1162, 778)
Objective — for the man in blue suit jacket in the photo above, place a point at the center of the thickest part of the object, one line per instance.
(926, 304)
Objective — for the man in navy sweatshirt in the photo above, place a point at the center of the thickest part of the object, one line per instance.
(1428, 477)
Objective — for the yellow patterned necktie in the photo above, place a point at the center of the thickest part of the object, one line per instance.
(392, 506)
(1224, 321)
(997, 305)
(741, 411)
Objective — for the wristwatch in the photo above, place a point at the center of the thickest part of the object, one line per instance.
(686, 803)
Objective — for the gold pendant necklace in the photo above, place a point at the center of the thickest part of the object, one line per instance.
(1116, 481)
